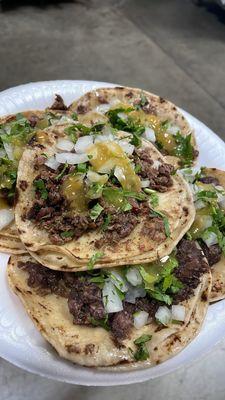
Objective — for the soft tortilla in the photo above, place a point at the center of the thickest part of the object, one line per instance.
(176, 204)
(9, 237)
(218, 269)
(94, 346)
(92, 103)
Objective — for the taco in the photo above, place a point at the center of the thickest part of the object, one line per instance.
(130, 316)
(208, 186)
(101, 201)
(15, 131)
(142, 114)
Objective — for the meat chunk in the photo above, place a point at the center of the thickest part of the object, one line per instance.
(58, 104)
(213, 253)
(209, 180)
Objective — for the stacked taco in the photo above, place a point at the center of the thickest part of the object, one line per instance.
(119, 240)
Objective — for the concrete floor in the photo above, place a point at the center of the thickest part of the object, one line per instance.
(173, 48)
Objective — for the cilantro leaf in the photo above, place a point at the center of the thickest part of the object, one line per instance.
(103, 323)
(106, 222)
(39, 185)
(96, 211)
(142, 352)
(67, 234)
(165, 221)
(94, 259)
(184, 149)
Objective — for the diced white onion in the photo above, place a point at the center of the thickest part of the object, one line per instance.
(178, 313)
(133, 276)
(71, 158)
(111, 299)
(119, 174)
(133, 293)
(140, 319)
(6, 216)
(163, 315)
(123, 116)
(65, 145)
(222, 202)
(95, 177)
(207, 221)
(103, 108)
(65, 120)
(220, 196)
(83, 143)
(9, 150)
(104, 138)
(52, 163)
(145, 183)
(210, 238)
(2, 153)
(118, 281)
(127, 147)
(188, 174)
(173, 129)
(149, 134)
(156, 164)
(199, 204)
(164, 259)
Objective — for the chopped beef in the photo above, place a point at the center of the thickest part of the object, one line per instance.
(58, 104)
(23, 185)
(85, 302)
(82, 109)
(192, 265)
(213, 253)
(154, 229)
(209, 180)
(121, 324)
(33, 119)
(45, 280)
(160, 179)
(121, 225)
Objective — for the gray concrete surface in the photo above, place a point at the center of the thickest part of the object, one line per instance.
(173, 48)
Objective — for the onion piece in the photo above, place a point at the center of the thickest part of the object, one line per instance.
(156, 164)
(104, 138)
(149, 134)
(65, 120)
(52, 163)
(65, 145)
(178, 313)
(145, 183)
(210, 238)
(199, 204)
(6, 217)
(173, 129)
(71, 158)
(163, 315)
(126, 146)
(207, 221)
(95, 177)
(118, 281)
(83, 143)
(111, 300)
(9, 150)
(119, 174)
(123, 116)
(2, 153)
(103, 108)
(133, 293)
(133, 276)
(140, 319)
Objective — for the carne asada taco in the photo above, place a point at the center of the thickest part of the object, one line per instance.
(130, 315)
(101, 201)
(143, 114)
(208, 229)
(15, 132)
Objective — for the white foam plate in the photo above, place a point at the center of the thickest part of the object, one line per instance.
(20, 342)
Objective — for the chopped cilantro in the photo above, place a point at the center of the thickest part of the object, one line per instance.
(106, 222)
(96, 211)
(184, 149)
(67, 234)
(94, 259)
(206, 195)
(137, 168)
(74, 116)
(82, 168)
(154, 199)
(142, 352)
(165, 221)
(95, 190)
(39, 184)
(103, 323)
(126, 206)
